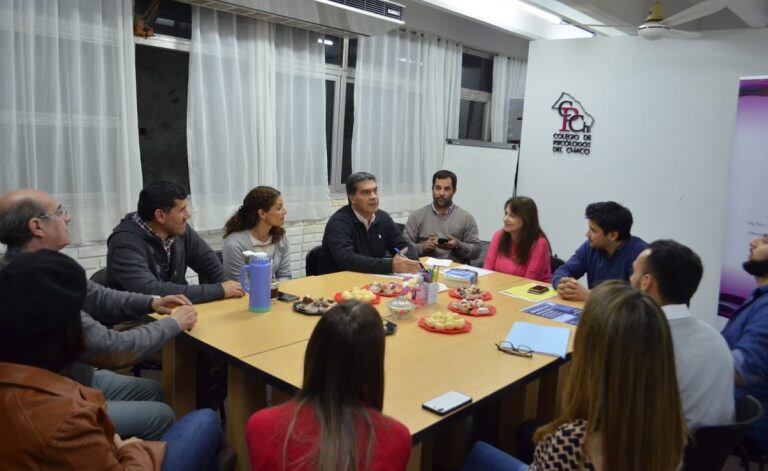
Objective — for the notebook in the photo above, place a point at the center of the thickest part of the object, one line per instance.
(521, 292)
(540, 338)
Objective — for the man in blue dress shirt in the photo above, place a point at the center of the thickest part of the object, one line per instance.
(747, 336)
(607, 254)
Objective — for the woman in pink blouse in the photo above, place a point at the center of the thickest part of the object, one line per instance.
(520, 248)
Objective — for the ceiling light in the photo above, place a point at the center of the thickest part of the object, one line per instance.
(327, 42)
(552, 18)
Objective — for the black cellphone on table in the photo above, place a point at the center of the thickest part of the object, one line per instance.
(442, 240)
(287, 298)
(538, 289)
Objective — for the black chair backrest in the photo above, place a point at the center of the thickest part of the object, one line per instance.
(711, 446)
(313, 261)
(400, 226)
(555, 262)
(478, 262)
(219, 256)
(100, 277)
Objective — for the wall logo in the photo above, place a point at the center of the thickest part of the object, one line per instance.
(574, 135)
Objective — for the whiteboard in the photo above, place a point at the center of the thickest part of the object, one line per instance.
(485, 180)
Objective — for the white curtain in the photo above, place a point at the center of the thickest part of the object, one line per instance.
(302, 173)
(255, 116)
(508, 83)
(230, 113)
(407, 91)
(68, 121)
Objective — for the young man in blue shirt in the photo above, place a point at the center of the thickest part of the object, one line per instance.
(747, 336)
(607, 254)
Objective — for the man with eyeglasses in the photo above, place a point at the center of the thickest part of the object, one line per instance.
(747, 335)
(31, 220)
(670, 272)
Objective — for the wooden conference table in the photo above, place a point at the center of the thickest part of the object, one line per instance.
(269, 349)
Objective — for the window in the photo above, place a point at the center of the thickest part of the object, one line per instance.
(475, 105)
(340, 59)
(515, 121)
(166, 18)
(161, 95)
(471, 119)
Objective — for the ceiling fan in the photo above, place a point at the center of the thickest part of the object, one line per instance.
(656, 26)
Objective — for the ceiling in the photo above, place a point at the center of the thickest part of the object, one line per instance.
(503, 15)
(633, 12)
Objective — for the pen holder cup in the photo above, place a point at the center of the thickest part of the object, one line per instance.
(430, 292)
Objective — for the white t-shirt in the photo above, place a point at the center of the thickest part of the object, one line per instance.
(265, 246)
(704, 369)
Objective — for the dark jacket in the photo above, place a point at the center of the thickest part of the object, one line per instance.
(136, 261)
(109, 348)
(348, 246)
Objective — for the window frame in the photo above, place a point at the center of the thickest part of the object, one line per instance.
(341, 76)
(480, 95)
(163, 41)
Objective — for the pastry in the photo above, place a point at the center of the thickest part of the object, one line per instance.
(310, 305)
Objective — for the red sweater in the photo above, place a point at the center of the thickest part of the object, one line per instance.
(538, 266)
(266, 432)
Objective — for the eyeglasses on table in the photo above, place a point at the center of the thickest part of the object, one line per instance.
(520, 350)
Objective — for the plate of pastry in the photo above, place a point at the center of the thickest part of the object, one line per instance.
(445, 323)
(475, 307)
(470, 292)
(389, 289)
(313, 306)
(357, 294)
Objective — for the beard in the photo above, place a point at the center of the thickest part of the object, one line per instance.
(758, 268)
(443, 202)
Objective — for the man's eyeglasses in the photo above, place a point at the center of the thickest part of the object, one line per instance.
(61, 211)
(519, 350)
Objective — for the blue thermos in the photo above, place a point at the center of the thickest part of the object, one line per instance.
(255, 279)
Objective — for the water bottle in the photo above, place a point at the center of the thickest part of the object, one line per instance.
(255, 278)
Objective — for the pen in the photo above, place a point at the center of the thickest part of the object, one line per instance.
(397, 251)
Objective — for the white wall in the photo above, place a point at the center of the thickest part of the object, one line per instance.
(661, 144)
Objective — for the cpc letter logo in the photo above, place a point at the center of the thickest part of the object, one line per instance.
(574, 117)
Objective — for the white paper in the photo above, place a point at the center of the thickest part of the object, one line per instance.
(438, 262)
(478, 270)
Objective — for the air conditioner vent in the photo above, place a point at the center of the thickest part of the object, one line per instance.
(379, 7)
(335, 17)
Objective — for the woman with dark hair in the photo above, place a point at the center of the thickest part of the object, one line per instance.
(335, 421)
(621, 403)
(257, 226)
(520, 248)
(52, 422)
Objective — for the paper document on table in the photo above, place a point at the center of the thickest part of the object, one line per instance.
(540, 338)
(438, 262)
(556, 312)
(478, 270)
(521, 292)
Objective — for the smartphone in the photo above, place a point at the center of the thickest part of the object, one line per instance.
(538, 289)
(445, 403)
(287, 298)
(442, 240)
